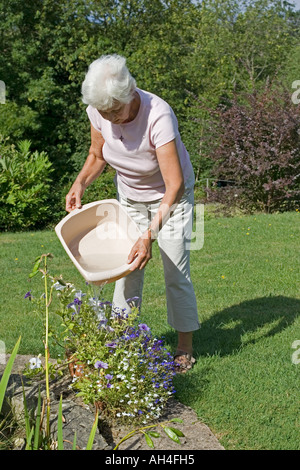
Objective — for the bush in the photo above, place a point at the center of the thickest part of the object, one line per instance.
(24, 186)
(258, 151)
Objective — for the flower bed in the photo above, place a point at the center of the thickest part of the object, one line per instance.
(119, 365)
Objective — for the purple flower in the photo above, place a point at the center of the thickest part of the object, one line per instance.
(144, 327)
(74, 304)
(132, 299)
(112, 344)
(108, 376)
(101, 365)
(28, 295)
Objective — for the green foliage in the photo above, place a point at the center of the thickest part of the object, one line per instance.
(237, 46)
(258, 151)
(180, 49)
(24, 186)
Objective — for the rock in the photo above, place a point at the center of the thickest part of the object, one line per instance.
(197, 436)
(77, 416)
(77, 420)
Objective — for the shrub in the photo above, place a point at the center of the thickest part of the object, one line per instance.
(24, 186)
(257, 149)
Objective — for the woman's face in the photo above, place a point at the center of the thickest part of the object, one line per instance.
(118, 114)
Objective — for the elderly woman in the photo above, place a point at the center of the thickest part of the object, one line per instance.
(136, 132)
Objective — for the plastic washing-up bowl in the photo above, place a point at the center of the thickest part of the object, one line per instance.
(98, 239)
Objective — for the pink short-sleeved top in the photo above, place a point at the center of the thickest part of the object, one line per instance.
(130, 148)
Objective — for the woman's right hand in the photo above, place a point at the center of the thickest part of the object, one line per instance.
(73, 198)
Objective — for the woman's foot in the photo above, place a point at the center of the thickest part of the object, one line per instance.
(183, 361)
(183, 358)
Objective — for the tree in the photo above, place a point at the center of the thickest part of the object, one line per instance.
(179, 49)
(237, 46)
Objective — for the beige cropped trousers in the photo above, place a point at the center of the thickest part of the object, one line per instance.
(173, 240)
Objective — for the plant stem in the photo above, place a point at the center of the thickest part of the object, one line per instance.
(131, 433)
(47, 351)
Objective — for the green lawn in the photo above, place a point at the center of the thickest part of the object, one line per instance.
(245, 386)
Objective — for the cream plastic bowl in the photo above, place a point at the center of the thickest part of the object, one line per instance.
(98, 238)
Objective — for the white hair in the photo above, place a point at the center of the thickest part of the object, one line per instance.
(108, 81)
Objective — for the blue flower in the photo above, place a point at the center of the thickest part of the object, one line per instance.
(108, 376)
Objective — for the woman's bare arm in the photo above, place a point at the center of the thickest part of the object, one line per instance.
(93, 167)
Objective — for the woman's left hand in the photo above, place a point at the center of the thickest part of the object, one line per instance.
(141, 252)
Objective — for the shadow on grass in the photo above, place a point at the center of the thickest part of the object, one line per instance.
(227, 331)
(245, 323)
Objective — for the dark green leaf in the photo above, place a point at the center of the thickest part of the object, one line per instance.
(149, 440)
(176, 420)
(153, 434)
(74, 442)
(35, 268)
(37, 423)
(177, 431)
(33, 273)
(171, 434)
(93, 433)
(60, 426)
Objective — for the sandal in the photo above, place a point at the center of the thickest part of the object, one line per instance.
(183, 361)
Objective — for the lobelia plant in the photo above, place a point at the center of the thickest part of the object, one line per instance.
(119, 365)
(116, 363)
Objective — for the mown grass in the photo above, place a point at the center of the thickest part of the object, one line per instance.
(245, 385)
